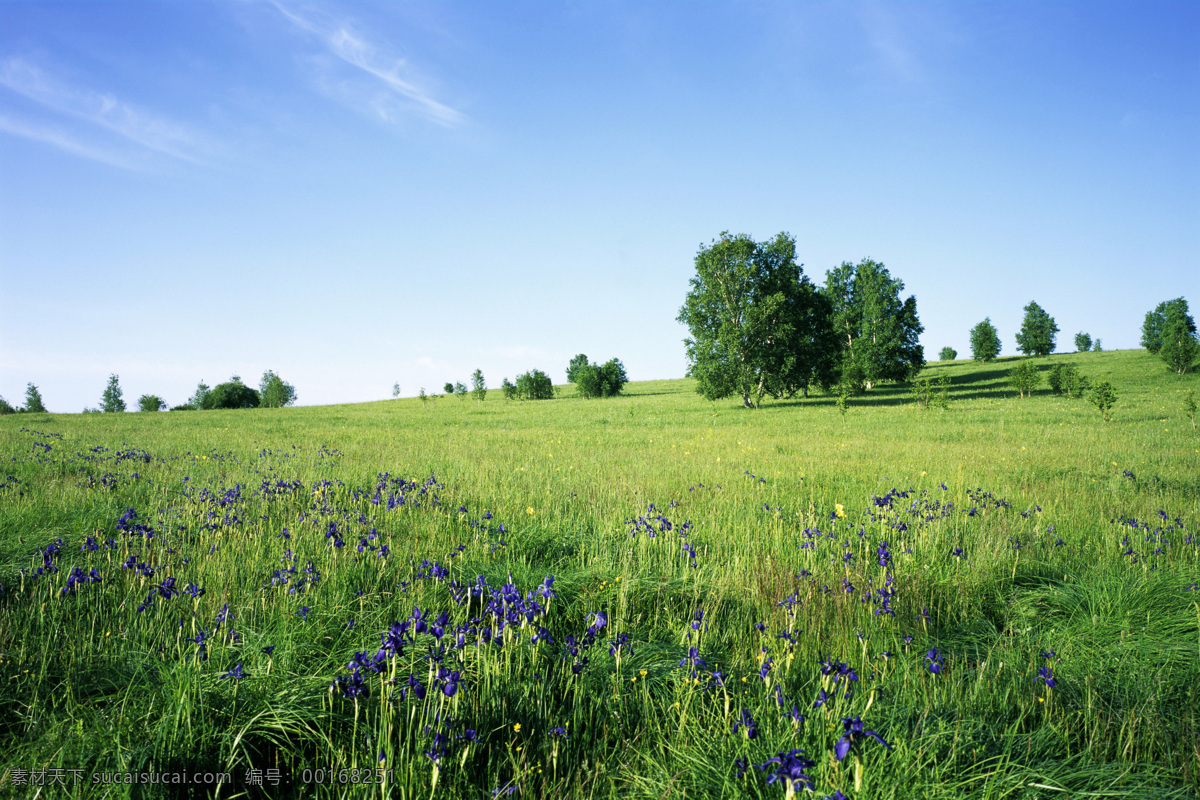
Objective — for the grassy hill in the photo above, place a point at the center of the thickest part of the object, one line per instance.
(928, 573)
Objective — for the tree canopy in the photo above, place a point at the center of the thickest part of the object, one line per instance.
(1156, 322)
(111, 401)
(1179, 346)
(274, 392)
(878, 332)
(232, 394)
(985, 342)
(758, 326)
(594, 380)
(1036, 337)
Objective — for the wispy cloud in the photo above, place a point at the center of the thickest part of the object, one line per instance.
(892, 46)
(392, 77)
(101, 110)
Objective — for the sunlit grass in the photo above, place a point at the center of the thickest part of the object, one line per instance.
(1004, 541)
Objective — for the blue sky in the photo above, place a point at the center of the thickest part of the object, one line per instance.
(360, 194)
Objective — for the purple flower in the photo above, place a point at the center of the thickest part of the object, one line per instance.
(853, 736)
(236, 673)
(790, 768)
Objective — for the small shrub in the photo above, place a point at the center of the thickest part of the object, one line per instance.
(478, 386)
(5, 408)
(424, 397)
(1189, 405)
(448, 388)
(1074, 383)
(395, 390)
(151, 402)
(1083, 342)
(600, 381)
(460, 389)
(1025, 377)
(180, 407)
(931, 394)
(1096, 348)
(948, 354)
(1055, 378)
(534, 385)
(1103, 397)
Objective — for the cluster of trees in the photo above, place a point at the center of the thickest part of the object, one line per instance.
(759, 327)
(478, 388)
(1037, 336)
(1169, 331)
(594, 380)
(273, 392)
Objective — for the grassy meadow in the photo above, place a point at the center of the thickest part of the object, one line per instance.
(998, 600)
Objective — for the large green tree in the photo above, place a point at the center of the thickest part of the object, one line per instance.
(1155, 322)
(231, 394)
(275, 392)
(758, 325)
(878, 332)
(1179, 348)
(1036, 337)
(985, 342)
(33, 400)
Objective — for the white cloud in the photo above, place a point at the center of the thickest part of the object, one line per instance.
(63, 141)
(100, 109)
(393, 89)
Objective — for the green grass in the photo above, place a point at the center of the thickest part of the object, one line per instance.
(90, 683)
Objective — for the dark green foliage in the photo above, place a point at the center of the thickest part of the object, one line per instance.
(233, 394)
(509, 388)
(1103, 397)
(948, 354)
(1025, 377)
(423, 397)
(111, 401)
(1155, 323)
(197, 399)
(151, 402)
(478, 386)
(448, 388)
(1037, 334)
(460, 389)
(534, 385)
(1180, 347)
(1189, 405)
(5, 408)
(985, 341)
(601, 381)
(1083, 342)
(275, 392)
(395, 390)
(184, 407)
(33, 400)
(758, 326)
(1096, 348)
(578, 362)
(877, 333)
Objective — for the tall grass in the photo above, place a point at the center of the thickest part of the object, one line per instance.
(928, 573)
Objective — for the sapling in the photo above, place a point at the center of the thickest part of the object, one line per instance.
(1189, 405)
(1103, 397)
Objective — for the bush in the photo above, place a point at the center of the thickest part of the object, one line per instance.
(151, 402)
(448, 388)
(578, 362)
(1096, 348)
(534, 385)
(478, 386)
(233, 394)
(929, 394)
(1083, 342)
(5, 408)
(1103, 397)
(184, 407)
(948, 354)
(1025, 377)
(275, 392)
(509, 388)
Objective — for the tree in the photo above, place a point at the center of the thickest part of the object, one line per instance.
(601, 381)
(395, 390)
(232, 394)
(448, 388)
(1156, 322)
(879, 333)
(275, 392)
(1025, 377)
(1036, 337)
(509, 388)
(534, 385)
(197, 400)
(1083, 342)
(33, 400)
(758, 326)
(948, 354)
(1104, 397)
(985, 342)
(578, 362)
(6, 407)
(111, 401)
(478, 386)
(1179, 347)
(151, 402)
